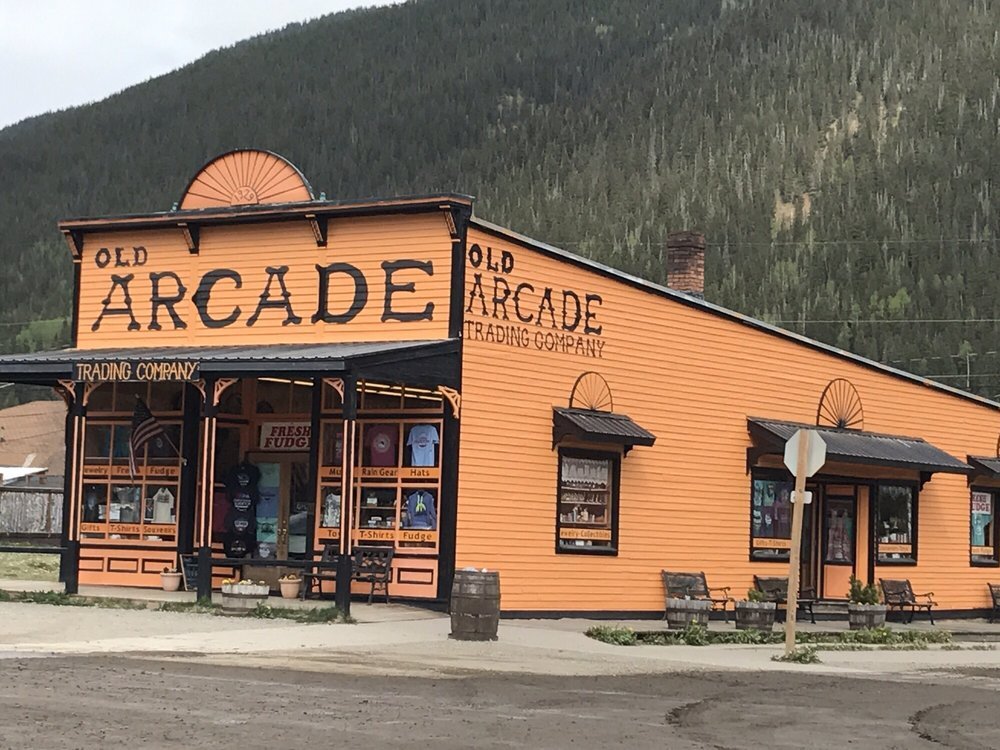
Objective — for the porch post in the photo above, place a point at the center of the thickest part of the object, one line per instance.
(209, 414)
(76, 417)
(342, 595)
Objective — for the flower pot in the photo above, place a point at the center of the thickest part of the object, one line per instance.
(170, 581)
(755, 616)
(290, 588)
(682, 612)
(865, 616)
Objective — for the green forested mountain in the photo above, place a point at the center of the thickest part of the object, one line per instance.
(841, 156)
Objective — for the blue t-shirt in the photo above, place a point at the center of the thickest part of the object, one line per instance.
(422, 439)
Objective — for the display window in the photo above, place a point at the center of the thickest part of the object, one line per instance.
(896, 523)
(983, 536)
(587, 503)
(838, 530)
(117, 505)
(770, 518)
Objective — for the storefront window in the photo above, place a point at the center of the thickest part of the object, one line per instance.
(771, 519)
(983, 530)
(896, 523)
(587, 514)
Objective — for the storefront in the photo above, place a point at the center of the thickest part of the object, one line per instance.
(399, 373)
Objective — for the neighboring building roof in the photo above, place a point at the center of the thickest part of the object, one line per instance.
(860, 447)
(696, 302)
(32, 436)
(11, 474)
(989, 465)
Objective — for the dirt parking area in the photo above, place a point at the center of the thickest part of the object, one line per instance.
(118, 702)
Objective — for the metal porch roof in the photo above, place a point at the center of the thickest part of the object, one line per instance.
(599, 427)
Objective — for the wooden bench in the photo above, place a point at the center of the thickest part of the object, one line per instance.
(695, 586)
(371, 565)
(995, 593)
(897, 593)
(775, 589)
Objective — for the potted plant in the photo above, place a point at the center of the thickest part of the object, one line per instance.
(170, 579)
(863, 608)
(753, 613)
(290, 585)
(240, 597)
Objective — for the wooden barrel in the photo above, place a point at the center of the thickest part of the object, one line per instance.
(475, 605)
(682, 612)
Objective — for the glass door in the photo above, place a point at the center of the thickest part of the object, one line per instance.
(284, 510)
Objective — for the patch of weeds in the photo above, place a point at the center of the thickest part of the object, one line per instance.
(970, 647)
(616, 635)
(878, 637)
(751, 637)
(200, 607)
(799, 655)
(318, 614)
(694, 635)
(112, 603)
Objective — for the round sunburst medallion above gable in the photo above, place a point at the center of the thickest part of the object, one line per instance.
(246, 178)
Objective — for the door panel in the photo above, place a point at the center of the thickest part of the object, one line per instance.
(839, 544)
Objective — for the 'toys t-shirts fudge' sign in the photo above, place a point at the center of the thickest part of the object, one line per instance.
(505, 305)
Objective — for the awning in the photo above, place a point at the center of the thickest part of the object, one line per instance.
(859, 447)
(599, 427)
(985, 466)
(411, 361)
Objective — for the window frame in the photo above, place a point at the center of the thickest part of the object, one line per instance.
(611, 549)
(994, 493)
(914, 488)
(767, 475)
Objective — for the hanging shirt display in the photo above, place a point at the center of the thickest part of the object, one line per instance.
(382, 443)
(422, 439)
(420, 512)
(163, 506)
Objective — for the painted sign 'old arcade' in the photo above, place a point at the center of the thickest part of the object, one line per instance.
(259, 379)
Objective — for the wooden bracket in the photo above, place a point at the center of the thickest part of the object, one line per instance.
(192, 236)
(220, 387)
(74, 239)
(337, 384)
(200, 385)
(454, 398)
(89, 388)
(66, 390)
(319, 226)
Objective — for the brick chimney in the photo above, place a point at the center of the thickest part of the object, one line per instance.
(686, 263)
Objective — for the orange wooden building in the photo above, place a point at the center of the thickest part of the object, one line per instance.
(399, 373)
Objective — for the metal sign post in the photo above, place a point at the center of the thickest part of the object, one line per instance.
(805, 454)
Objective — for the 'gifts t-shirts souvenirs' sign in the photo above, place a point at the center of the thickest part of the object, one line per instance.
(515, 299)
(384, 278)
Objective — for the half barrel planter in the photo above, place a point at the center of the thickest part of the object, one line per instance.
(683, 612)
(755, 616)
(239, 599)
(866, 616)
(475, 605)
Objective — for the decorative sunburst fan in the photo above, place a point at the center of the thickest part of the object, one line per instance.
(591, 391)
(246, 178)
(840, 406)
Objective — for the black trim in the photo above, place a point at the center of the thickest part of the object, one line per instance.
(708, 307)
(914, 523)
(75, 312)
(616, 467)
(448, 504)
(315, 428)
(994, 493)
(69, 471)
(460, 216)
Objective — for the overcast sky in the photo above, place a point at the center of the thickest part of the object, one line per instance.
(61, 53)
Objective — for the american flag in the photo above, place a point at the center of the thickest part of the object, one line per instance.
(144, 428)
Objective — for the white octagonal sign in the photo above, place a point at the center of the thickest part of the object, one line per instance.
(815, 452)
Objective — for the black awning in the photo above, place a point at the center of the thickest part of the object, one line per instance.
(406, 358)
(986, 466)
(860, 447)
(594, 426)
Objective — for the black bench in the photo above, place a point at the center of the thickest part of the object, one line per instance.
(898, 594)
(372, 565)
(775, 589)
(677, 585)
(995, 593)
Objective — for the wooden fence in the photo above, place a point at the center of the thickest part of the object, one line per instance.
(30, 511)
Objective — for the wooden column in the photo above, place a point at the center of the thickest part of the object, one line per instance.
(350, 427)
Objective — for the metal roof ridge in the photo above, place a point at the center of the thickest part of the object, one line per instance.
(725, 312)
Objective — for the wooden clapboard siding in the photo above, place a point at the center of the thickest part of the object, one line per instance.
(691, 377)
(364, 242)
